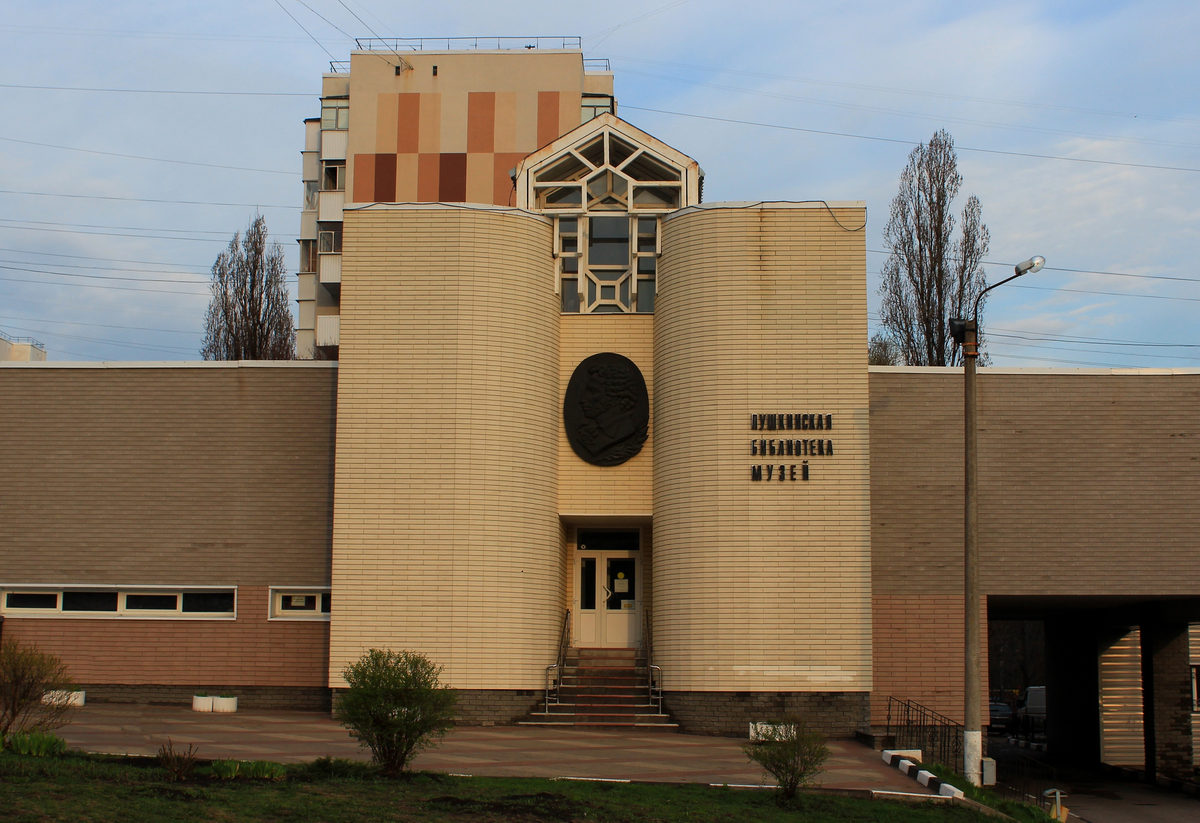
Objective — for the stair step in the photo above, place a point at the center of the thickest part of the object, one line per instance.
(603, 688)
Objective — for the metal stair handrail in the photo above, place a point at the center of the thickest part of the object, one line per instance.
(564, 642)
(653, 672)
(914, 726)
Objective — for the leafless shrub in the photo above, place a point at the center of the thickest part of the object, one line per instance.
(26, 675)
(179, 764)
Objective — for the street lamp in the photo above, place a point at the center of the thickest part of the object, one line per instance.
(965, 332)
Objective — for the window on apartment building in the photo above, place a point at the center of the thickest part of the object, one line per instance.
(300, 604)
(329, 242)
(335, 114)
(308, 256)
(609, 195)
(333, 175)
(121, 603)
(311, 187)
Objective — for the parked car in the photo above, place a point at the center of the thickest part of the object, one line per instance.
(1002, 718)
(1033, 705)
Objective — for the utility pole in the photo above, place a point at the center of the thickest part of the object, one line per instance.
(966, 333)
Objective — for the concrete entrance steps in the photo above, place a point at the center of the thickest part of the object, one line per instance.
(603, 688)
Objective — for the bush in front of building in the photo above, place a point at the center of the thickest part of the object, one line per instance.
(27, 675)
(179, 763)
(395, 706)
(790, 753)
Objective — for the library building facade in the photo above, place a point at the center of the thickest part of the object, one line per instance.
(608, 453)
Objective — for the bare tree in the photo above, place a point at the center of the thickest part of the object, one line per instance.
(882, 351)
(929, 276)
(248, 317)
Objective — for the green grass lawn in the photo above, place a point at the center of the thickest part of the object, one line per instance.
(78, 787)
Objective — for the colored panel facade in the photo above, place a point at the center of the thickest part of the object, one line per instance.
(477, 108)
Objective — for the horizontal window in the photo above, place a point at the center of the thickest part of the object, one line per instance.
(89, 601)
(152, 602)
(31, 600)
(211, 602)
(118, 602)
(300, 604)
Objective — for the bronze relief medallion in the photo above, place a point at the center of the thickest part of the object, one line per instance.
(606, 410)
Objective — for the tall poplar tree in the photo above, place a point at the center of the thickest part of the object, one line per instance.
(930, 275)
(248, 316)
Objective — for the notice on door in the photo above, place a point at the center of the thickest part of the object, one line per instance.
(621, 586)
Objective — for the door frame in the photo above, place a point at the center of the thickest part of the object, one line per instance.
(588, 627)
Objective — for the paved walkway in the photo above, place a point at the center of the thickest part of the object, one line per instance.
(510, 751)
(1129, 803)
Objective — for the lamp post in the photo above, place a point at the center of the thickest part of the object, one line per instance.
(965, 332)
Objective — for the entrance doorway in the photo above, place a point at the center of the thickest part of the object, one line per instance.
(608, 589)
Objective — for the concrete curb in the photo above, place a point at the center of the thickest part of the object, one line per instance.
(901, 761)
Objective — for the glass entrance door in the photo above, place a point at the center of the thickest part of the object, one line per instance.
(608, 594)
(622, 617)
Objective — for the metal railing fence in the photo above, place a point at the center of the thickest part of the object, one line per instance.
(466, 43)
(914, 726)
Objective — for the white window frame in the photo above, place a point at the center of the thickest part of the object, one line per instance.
(279, 592)
(122, 613)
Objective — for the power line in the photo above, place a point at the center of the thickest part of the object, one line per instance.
(144, 199)
(909, 142)
(161, 91)
(104, 259)
(177, 349)
(1109, 293)
(142, 157)
(100, 268)
(168, 35)
(403, 63)
(99, 325)
(1075, 271)
(119, 234)
(306, 31)
(113, 234)
(724, 69)
(323, 17)
(1043, 344)
(1049, 336)
(918, 115)
(105, 277)
(608, 32)
(1099, 341)
(98, 286)
(96, 226)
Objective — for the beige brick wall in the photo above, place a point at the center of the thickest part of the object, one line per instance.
(761, 586)
(1087, 482)
(585, 489)
(197, 474)
(446, 531)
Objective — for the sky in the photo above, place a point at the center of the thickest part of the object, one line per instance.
(1077, 125)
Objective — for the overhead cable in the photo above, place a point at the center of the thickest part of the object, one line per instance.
(910, 142)
(142, 157)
